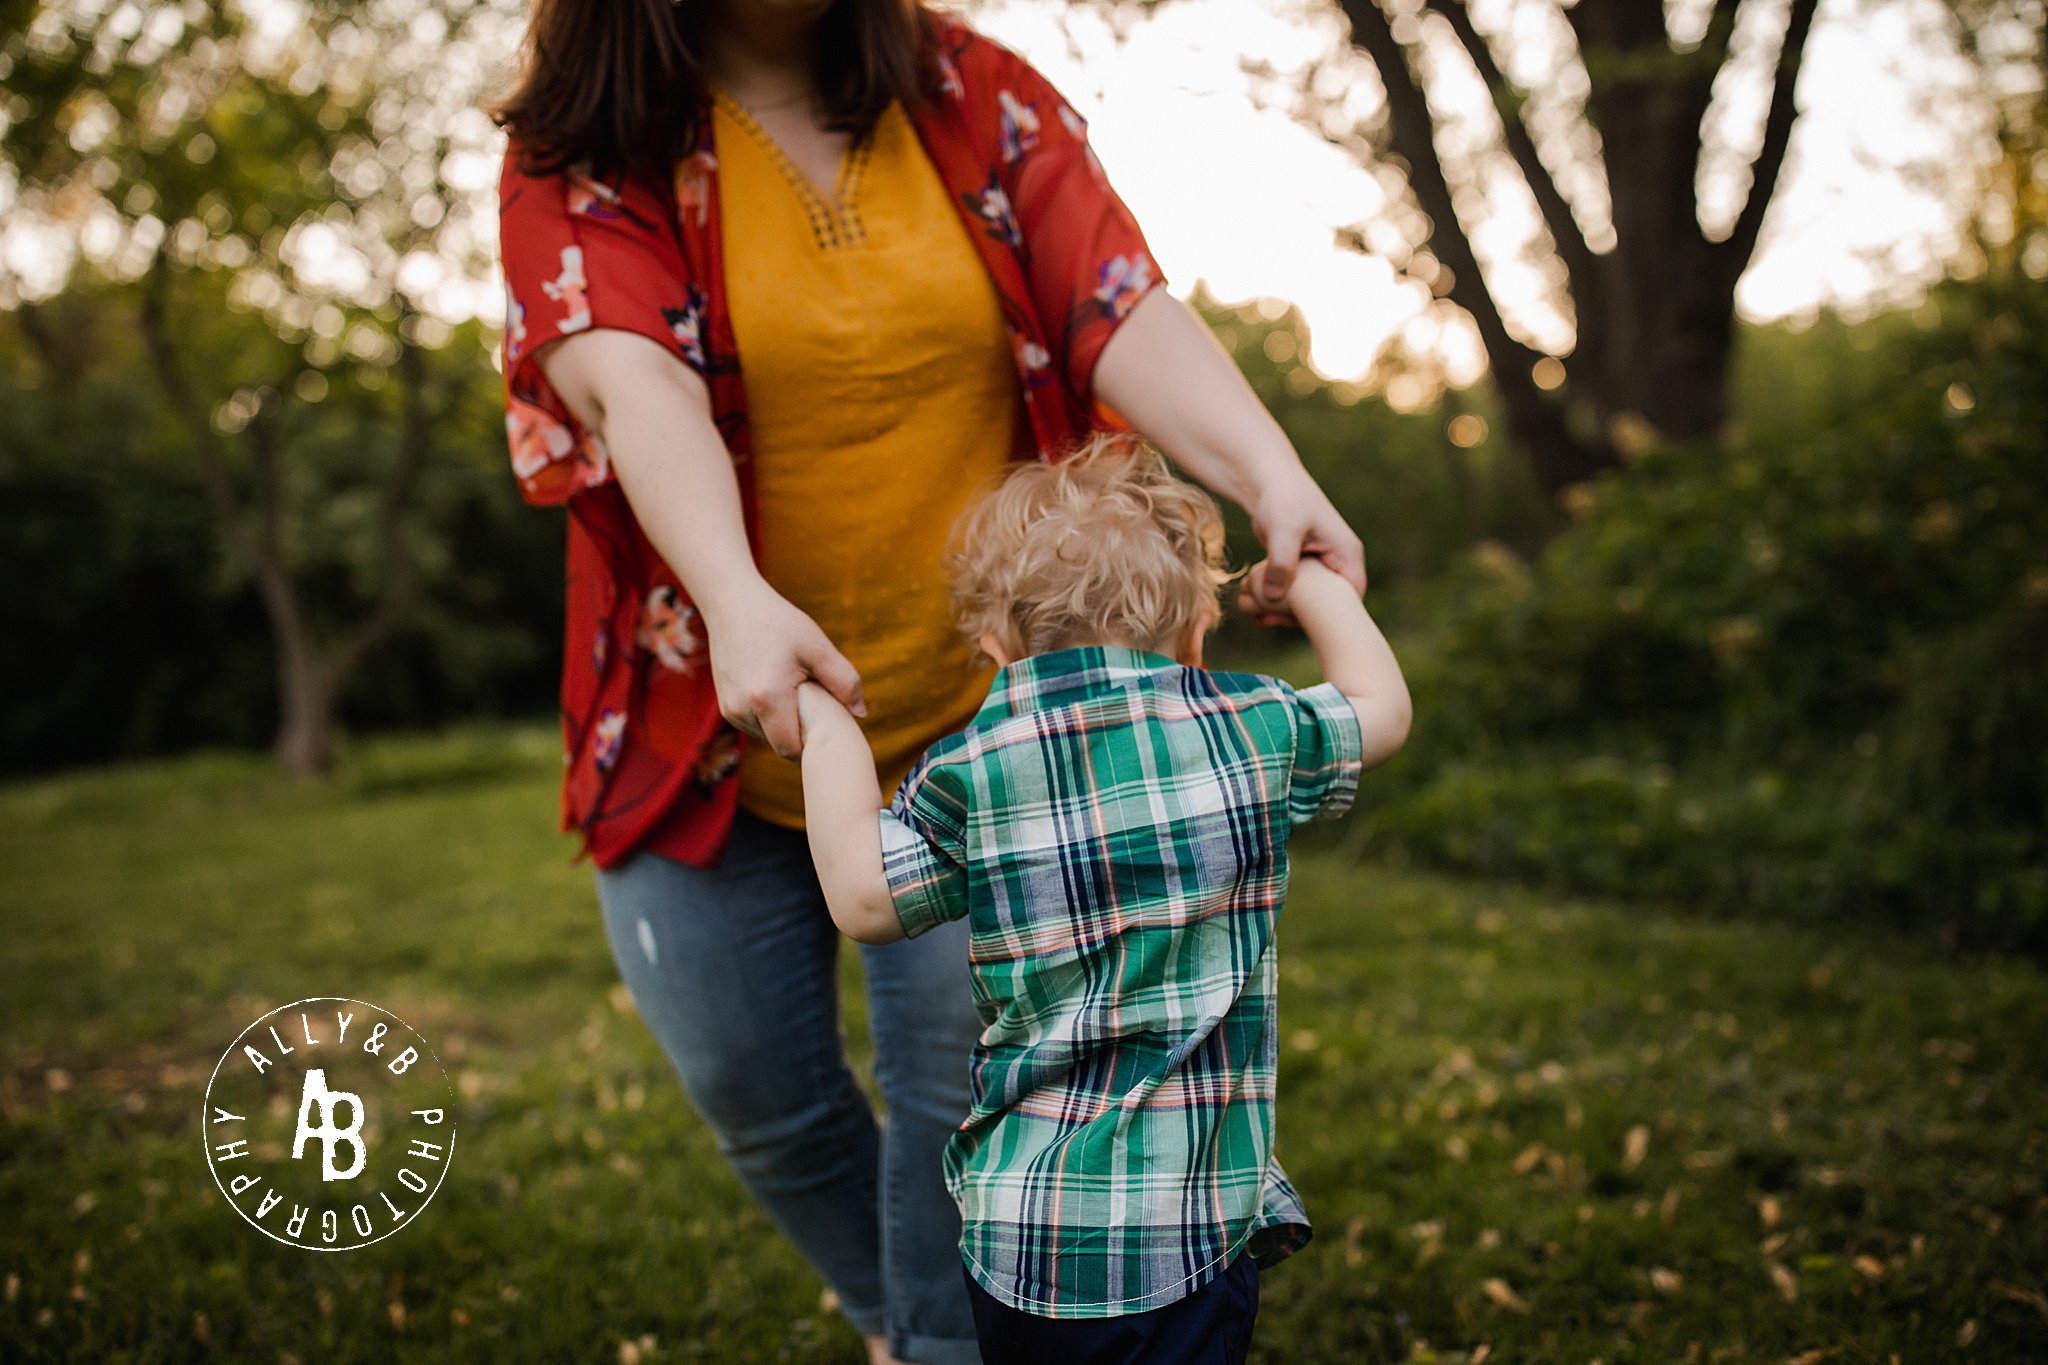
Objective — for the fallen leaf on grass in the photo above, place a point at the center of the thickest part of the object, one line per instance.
(1530, 1157)
(1768, 1210)
(2033, 1300)
(1811, 1357)
(1480, 1353)
(1667, 1281)
(1787, 1282)
(1635, 1147)
(1869, 1267)
(1503, 1294)
(1968, 1333)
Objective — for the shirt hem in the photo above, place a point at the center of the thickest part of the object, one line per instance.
(1113, 1308)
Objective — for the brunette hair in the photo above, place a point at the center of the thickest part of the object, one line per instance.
(1106, 546)
(615, 85)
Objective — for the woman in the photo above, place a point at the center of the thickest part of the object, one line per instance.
(899, 224)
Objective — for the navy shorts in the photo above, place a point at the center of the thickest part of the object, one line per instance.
(1212, 1326)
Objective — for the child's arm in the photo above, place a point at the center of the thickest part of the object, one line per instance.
(841, 798)
(1355, 656)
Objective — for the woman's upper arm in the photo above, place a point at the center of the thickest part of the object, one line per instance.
(1086, 261)
(596, 370)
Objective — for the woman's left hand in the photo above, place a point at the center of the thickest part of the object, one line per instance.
(1294, 518)
(1165, 374)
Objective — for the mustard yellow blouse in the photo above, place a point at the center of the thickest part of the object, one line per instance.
(883, 396)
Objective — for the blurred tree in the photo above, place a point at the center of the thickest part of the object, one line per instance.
(299, 164)
(2007, 42)
(1651, 292)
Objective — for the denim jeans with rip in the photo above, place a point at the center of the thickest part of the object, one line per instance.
(734, 969)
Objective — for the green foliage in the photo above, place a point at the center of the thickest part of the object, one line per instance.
(1557, 1130)
(1417, 499)
(1809, 676)
(142, 633)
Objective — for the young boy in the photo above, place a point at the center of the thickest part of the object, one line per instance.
(1113, 823)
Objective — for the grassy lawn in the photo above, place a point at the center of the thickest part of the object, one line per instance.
(1529, 1130)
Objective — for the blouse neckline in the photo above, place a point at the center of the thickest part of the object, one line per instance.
(835, 219)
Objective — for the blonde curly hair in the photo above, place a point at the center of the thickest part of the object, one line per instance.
(1102, 546)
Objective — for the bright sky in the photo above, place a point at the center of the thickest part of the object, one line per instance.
(1247, 199)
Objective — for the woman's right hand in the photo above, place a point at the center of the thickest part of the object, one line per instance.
(762, 647)
(654, 413)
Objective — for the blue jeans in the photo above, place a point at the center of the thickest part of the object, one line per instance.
(734, 968)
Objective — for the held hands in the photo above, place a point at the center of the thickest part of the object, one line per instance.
(1314, 581)
(1297, 525)
(822, 715)
(764, 649)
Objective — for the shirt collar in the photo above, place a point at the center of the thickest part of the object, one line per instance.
(1063, 676)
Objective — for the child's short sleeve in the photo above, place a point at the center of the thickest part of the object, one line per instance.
(1329, 752)
(924, 848)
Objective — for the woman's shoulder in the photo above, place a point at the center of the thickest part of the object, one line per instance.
(980, 62)
(529, 193)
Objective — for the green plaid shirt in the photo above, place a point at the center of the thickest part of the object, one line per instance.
(1114, 827)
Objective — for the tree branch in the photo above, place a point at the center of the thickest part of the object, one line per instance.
(401, 569)
(257, 546)
(1561, 457)
(153, 322)
(1736, 251)
(1508, 99)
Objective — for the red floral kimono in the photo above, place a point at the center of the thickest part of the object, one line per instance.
(650, 762)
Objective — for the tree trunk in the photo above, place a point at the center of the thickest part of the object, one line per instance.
(1654, 316)
(307, 725)
(310, 677)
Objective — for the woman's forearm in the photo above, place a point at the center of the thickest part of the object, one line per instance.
(654, 416)
(1165, 373)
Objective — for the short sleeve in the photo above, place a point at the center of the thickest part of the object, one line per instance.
(1085, 260)
(1329, 753)
(580, 254)
(924, 848)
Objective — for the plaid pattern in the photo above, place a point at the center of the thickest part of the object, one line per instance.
(1114, 826)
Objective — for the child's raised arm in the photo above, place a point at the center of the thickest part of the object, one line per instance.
(841, 798)
(1355, 656)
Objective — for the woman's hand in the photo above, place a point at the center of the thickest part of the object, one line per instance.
(1166, 374)
(1294, 519)
(655, 416)
(762, 648)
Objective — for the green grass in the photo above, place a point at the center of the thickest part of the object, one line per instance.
(1545, 1130)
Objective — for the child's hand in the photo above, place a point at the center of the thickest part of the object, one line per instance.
(1312, 578)
(1252, 594)
(820, 712)
(1315, 580)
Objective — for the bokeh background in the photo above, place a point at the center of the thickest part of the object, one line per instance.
(1675, 995)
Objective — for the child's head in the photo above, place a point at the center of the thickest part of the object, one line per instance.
(1103, 547)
